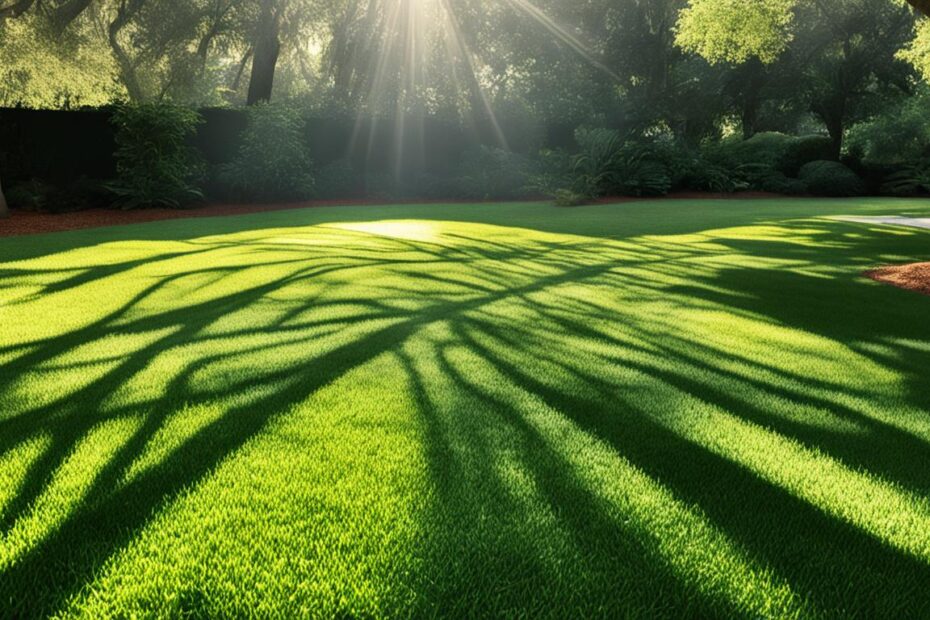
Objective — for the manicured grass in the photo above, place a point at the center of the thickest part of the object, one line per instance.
(652, 409)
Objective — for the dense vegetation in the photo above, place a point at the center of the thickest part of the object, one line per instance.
(665, 95)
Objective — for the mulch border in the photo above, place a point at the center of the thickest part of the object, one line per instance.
(22, 223)
(911, 277)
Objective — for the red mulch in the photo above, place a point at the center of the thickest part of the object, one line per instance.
(913, 277)
(28, 223)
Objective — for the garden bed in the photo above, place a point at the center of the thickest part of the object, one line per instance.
(30, 223)
(913, 277)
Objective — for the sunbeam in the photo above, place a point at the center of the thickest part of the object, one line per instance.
(420, 43)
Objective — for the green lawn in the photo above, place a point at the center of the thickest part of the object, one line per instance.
(652, 409)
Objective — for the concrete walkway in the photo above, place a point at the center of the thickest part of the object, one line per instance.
(896, 220)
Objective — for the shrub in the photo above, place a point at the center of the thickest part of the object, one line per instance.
(768, 149)
(37, 195)
(831, 178)
(642, 176)
(778, 183)
(763, 178)
(899, 135)
(272, 162)
(704, 175)
(606, 165)
(552, 173)
(492, 173)
(155, 165)
(596, 168)
(338, 180)
(568, 198)
(803, 150)
(31, 195)
(909, 180)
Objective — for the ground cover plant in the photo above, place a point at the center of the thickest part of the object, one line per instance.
(684, 408)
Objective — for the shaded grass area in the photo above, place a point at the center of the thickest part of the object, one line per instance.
(655, 409)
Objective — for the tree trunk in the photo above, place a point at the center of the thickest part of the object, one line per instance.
(921, 5)
(127, 70)
(67, 13)
(267, 47)
(837, 131)
(4, 209)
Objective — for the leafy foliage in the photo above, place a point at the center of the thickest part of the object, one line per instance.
(552, 173)
(38, 195)
(803, 150)
(338, 180)
(831, 178)
(569, 198)
(607, 165)
(899, 134)
(488, 173)
(273, 162)
(704, 175)
(767, 149)
(735, 30)
(41, 70)
(155, 165)
(911, 179)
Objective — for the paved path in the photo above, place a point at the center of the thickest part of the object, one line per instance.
(897, 220)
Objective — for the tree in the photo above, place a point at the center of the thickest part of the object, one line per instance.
(266, 50)
(921, 5)
(843, 54)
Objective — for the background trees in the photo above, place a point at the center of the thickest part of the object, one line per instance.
(690, 72)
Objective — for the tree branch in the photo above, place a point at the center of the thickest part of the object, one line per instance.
(921, 5)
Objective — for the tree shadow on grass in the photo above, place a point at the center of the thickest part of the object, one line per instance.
(842, 570)
(605, 565)
(112, 511)
(833, 564)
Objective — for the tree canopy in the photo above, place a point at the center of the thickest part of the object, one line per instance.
(690, 67)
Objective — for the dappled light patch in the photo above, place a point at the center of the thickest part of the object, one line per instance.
(412, 231)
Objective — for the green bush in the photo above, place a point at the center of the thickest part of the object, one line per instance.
(641, 175)
(908, 180)
(273, 162)
(802, 150)
(491, 173)
(596, 169)
(338, 180)
(154, 163)
(768, 149)
(37, 195)
(900, 135)
(763, 178)
(706, 176)
(552, 173)
(831, 178)
(31, 195)
(606, 165)
(778, 183)
(568, 198)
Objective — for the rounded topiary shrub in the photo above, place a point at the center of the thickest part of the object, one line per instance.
(803, 150)
(767, 148)
(831, 178)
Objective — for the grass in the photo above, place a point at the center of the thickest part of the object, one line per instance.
(653, 409)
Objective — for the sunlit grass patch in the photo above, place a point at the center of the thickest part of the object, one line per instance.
(654, 410)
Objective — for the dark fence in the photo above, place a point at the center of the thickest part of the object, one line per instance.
(61, 146)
